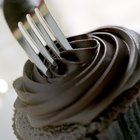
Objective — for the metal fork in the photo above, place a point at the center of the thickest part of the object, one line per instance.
(33, 36)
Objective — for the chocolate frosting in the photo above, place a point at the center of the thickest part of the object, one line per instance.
(86, 80)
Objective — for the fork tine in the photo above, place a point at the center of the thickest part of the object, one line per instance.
(47, 19)
(35, 29)
(33, 44)
(27, 46)
(34, 35)
(44, 39)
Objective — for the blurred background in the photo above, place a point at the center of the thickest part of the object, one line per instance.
(73, 17)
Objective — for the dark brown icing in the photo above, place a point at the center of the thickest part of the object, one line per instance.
(102, 64)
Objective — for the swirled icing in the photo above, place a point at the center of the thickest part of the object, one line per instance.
(102, 64)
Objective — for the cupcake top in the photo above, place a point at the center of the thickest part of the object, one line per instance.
(86, 80)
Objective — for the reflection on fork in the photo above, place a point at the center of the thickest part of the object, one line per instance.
(33, 36)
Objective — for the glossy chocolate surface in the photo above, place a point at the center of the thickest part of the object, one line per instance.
(102, 64)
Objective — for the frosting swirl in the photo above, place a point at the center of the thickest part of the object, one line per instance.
(102, 64)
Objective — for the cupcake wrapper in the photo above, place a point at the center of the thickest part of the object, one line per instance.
(126, 126)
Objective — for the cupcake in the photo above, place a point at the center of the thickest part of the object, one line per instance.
(92, 93)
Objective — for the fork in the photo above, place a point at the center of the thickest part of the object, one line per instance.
(32, 34)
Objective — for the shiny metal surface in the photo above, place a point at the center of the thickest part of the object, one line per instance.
(30, 33)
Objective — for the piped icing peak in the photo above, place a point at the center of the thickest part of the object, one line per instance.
(102, 64)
